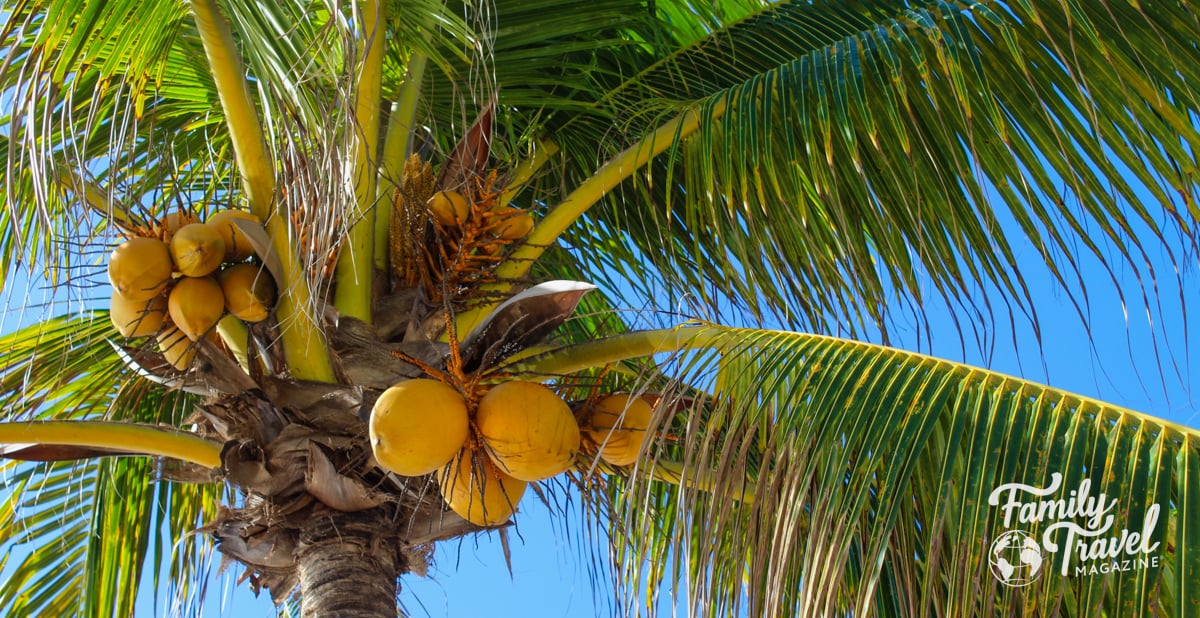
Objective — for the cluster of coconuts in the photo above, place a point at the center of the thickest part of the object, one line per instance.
(177, 281)
(523, 433)
(452, 210)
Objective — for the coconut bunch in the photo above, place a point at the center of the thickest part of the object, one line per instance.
(176, 279)
(450, 239)
(485, 454)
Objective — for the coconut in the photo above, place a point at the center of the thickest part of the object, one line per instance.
(618, 423)
(176, 347)
(197, 249)
(137, 318)
(249, 291)
(417, 425)
(171, 222)
(474, 488)
(237, 244)
(195, 304)
(528, 431)
(514, 223)
(450, 208)
(140, 268)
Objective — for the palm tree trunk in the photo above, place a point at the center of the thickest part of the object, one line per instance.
(347, 567)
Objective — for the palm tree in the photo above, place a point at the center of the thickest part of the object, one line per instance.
(832, 167)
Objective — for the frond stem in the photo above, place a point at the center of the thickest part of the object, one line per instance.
(130, 438)
(352, 295)
(397, 145)
(592, 190)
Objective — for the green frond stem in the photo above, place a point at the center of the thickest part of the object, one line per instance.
(543, 151)
(131, 438)
(397, 145)
(592, 190)
(302, 339)
(300, 333)
(701, 336)
(615, 171)
(245, 131)
(352, 295)
(233, 332)
(638, 344)
(675, 473)
(95, 199)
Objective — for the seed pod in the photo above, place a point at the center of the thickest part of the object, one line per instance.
(249, 291)
(137, 318)
(450, 208)
(237, 245)
(176, 347)
(195, 304)
(417, 425)
(474, 488)
(197, 249)
(140, 268)
(527, 430)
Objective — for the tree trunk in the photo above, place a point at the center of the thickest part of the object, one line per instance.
(349, 566)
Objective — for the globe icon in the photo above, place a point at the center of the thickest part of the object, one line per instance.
(1016, 558)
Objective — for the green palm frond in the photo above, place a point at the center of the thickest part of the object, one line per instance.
(79, 535)
(870, 146)
(870, 471)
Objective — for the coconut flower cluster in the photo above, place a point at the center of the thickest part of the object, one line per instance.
(176, 279)
(485, 457)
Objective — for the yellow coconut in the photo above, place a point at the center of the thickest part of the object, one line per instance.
(197, 249)
(195, 304)
(137, 318)
(249, 291)
(474, 488)
(450, 208)
(237, 245)
(176, 347)
(514, 224)
(171, 222)
(140, 268)
(417, 425)
(619, 422)
(529, 432)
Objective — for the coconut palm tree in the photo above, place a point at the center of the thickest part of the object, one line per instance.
(474, 195)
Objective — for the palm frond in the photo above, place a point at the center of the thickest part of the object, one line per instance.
(871, 146)
(80, 534)
(876, 477)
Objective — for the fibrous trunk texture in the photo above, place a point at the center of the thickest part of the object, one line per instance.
(346, 569)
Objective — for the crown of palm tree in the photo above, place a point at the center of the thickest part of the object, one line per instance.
(834, 167)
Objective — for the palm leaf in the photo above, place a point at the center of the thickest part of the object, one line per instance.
(79, 535)
(873, 474)
(871, 146)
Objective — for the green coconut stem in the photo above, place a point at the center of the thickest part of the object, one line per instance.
(615, 171)
(233, 332)
(245, 130)
(352, 295)
(675, 473)
(626, 346)
(128, 438)
(301, 336)
(546, 232)
(543, 151)
(300, 331)
(397, 146)
(97, 200)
